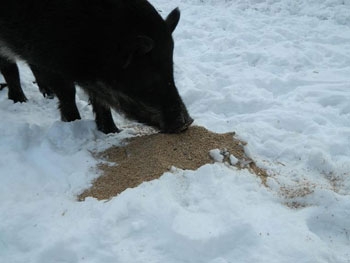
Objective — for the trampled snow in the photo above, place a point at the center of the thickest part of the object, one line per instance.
(277, 72)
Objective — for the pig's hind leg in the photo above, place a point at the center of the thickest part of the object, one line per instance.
(63, 89)
(10, 72)
(44, 89)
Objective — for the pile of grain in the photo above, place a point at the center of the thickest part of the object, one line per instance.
(147, 157)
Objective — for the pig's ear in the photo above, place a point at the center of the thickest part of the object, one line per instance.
(172, 19)
(139, 46)
(142, 45)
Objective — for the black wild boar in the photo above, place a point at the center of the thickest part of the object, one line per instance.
(9, 70)
(119, 51)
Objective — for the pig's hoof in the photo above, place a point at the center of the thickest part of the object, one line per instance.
(18, 98)
(108, 129)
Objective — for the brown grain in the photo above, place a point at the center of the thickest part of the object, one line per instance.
(147, 157)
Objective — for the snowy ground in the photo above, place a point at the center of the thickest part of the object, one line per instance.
(278, 73)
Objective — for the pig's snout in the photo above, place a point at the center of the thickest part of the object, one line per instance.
(180, 124)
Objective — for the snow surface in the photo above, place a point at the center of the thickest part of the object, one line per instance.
(277, 72)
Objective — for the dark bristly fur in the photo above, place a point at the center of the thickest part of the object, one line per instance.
(119, 51)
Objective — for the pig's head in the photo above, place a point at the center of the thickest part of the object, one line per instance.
(146, 87)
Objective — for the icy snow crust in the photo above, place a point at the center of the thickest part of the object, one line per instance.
(275, 72)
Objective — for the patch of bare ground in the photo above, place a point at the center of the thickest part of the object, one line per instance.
(147, 157)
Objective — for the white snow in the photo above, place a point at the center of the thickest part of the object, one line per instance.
(216, 155)
(277, 72)
(233, 160)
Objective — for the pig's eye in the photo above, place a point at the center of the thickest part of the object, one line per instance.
(153, 84)
(151, 89)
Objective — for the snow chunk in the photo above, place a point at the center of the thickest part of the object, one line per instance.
(216, 155)
(233, 160)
